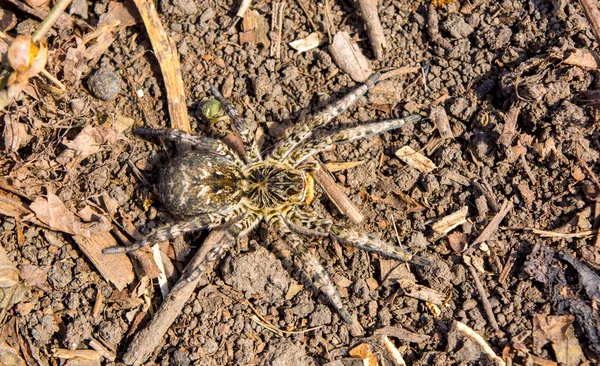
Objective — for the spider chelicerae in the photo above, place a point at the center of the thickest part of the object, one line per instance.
(212, 186)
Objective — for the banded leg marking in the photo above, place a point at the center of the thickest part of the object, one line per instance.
(326, 143)
(170, 232)
(302, 132)
(312, 268)
(247, 135)
(370, 242)
(236, 230)
(199, 142)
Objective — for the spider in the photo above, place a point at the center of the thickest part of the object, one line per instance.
(211, 186)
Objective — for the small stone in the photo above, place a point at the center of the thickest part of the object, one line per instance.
(105, 85)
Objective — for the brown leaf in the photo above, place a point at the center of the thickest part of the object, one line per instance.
(89, 141)
(15, 133)
(557, 329)
(53, 212)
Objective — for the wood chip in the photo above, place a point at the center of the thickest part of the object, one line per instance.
(15, 133)
(86, 354)
(364, 352)
(402, 334)
(415, 159)
(336, 167)
(421, 292)
(255, 29)
(313, 40)
(439, 116)
(349, 58)
(293, 290)
(449, 222)
(116, 269)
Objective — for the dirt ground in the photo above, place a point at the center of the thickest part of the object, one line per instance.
(524, 143)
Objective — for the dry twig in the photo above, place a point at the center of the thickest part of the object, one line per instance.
(479, 340)
(167, 56)
(368, 10)
(593, 15)
(482, 294)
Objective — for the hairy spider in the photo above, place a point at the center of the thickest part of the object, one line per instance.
(211, 186)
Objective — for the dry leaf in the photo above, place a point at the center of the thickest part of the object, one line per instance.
(415, 159)
(53, 212)
(15, 134)
(583, 58)
(458, 242)
(89, 141)
(557, 329)
(311, 41)
(349, 58)
(9, 275)
(122, 123)
(10, 356)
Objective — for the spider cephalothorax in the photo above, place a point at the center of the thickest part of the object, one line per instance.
(212, 186)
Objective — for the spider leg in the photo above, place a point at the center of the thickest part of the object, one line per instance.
(236, 230)
(247, 135)
(326, 143)
(170, 232)
(312, 268)
(307, 222)
(199, 142)
(370, 242)
(301, 132)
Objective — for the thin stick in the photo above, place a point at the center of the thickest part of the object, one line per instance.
(368, 10)
(146, 340)
(240, 13)
(483, 295)
(312, 24)
(479, 340)
(49, 21)
(491, 228)
(168, 59)
(593, 15)
(341, 201)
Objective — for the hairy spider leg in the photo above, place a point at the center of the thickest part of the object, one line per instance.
(236, 230)
(371, 243)
(307, 222)
(169, 232)
(302, 131)
(241, 125)
(197, 141)
(312, 268)
(309, 148)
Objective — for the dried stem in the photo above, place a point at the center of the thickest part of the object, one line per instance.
(483, 295)
(593, 15)
(49, 21)
(146, 340)
(341, 201)
(368, 10)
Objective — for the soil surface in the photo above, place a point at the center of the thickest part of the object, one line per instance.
(486, 65)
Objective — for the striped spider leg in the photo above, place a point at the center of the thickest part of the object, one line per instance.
(308, 222)
(171, 231)
(247, 135)
(302, 131)
(312, 147)
(236, 230)
(313, 270)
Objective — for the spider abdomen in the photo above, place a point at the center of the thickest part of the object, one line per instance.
(199, 182)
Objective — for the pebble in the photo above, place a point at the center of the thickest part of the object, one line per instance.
(104, 84)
